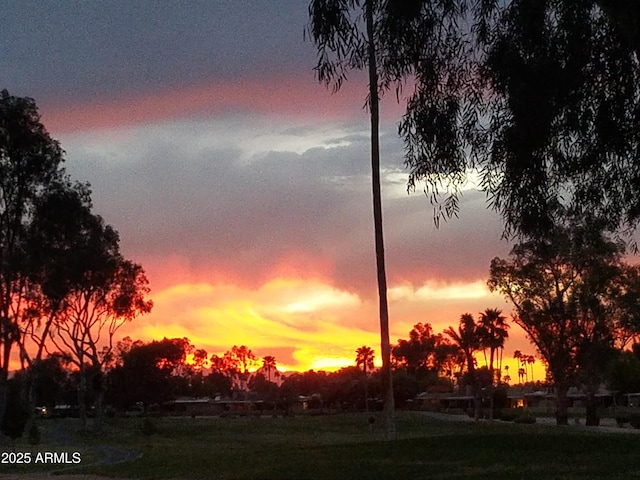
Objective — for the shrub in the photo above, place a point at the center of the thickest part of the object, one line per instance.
(635, 420)
(508, 414)
(148, 428)
(34, 435)
(525, 418)
(622, 419)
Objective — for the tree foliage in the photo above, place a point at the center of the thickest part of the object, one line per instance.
(543, 101)
(425, 353)
(493, 331)
(564, 288)
(30, 161)
(364, 358)
(147, 372)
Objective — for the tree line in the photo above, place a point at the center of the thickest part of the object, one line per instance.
(465, 360)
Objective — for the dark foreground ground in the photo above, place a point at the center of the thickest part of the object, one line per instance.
(333, 447)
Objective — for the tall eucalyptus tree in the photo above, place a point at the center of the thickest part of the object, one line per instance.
(30, 160)
(388, 38)
(344, 43)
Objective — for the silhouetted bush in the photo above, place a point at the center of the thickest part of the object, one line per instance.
(148, 428)
(16, 412)
(622, 419)
(525, 418)
(635, 420)
(508, 414)
(34, 435)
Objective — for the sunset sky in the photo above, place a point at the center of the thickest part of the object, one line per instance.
(239, 182)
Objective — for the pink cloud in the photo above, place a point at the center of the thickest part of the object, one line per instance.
(293, 95)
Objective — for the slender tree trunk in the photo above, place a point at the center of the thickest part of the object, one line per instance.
(82, 398)
(4, 368)
(385, 346)
(562, 404)
(493, 381)
(592, 416)
(30, 395)
(474, 389)
(366, 392)
(99, 410)
(491, 353)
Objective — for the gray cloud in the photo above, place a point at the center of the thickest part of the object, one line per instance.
(192, 190)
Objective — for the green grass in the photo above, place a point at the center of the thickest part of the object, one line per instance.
(342, 446)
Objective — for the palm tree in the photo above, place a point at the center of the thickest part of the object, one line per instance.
(494, 331)
(518, 355)
(467, 338)
(530, 361)
(364, 359)
(521, 374)
(269, 364)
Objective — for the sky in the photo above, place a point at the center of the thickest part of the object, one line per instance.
(241, 184)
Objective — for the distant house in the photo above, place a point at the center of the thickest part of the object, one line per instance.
(206, 406)
(632, 399)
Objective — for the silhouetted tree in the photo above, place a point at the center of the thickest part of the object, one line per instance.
(50, 377)
(269, 365)
(30, 160)
(110, 292)
(425, 354)
(523, 375)
(364, 358)
(391, 39)
(235, 364)
(468, 339)
(493, 331)
(54, 240)
(560, 286)
(623, 373)
(344, 43)
(147, 373)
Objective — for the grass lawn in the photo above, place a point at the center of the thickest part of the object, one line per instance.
(342, 446)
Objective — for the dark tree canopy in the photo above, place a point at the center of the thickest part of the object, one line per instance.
(30, 161)
(566, 289)
(544, 103)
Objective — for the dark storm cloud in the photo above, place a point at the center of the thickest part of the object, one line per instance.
(62, 51)
(182, 189)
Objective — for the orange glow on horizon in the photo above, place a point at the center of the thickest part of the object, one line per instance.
(306, 323)
(309, 323)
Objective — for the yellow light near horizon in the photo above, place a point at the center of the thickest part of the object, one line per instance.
(330, 363)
